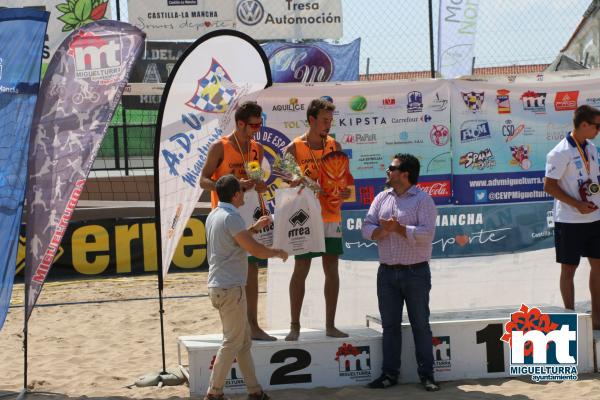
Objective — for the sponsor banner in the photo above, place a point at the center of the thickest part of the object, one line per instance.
(81, 89)
(313, 62)
(513, 187)
(196, 109)
(503, 128)
(275, 19)
(154, 67)
(180, 19)
(20, 65)
(65, 17)
(122, 247)
(467, 231)
(372, 122)
(456, 38)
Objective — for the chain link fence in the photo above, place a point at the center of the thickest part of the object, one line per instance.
(512, 36)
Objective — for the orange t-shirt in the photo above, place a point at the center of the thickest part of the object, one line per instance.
(233, 163)
(307, 166)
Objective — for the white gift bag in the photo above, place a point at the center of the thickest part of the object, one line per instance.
(299, 226)
(251, 211)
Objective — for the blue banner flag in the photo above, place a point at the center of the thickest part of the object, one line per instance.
(313, 62)
(22, 34)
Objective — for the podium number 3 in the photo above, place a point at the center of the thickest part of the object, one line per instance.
(280, 375)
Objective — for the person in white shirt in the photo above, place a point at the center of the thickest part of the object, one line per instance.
(571, 166)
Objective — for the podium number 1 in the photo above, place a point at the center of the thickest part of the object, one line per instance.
(494, 350)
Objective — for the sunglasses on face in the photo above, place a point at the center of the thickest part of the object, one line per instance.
(392, 168)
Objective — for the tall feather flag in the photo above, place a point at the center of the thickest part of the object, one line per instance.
(218, 70)
(80, 91)
(22, 34)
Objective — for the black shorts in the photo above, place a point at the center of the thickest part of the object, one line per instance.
(573, 241)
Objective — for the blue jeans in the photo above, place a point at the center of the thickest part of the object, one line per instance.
(394, 288)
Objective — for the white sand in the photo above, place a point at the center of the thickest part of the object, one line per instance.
(95, 350)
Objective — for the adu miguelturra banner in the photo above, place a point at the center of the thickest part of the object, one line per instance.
(65, 17)
(503, 128)
(218, 70)
(20, 64)
(313, 62)
(79, 94)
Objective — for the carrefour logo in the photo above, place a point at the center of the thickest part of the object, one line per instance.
(250, 12)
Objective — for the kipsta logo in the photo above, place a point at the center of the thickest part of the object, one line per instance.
(473, 100)
(214, 91)
(415, 102)
(439, 135)
(358, 103)
(250, 12)
(353, 361)
(299, 218)
(543, 346)
(425, 118)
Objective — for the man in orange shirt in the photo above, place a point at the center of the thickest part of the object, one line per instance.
(231, 155)
(308, 150)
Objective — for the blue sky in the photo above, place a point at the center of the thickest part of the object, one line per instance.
(395, 33)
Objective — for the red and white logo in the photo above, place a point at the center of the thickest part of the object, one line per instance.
(95, 57)
(435, 188)
(566, 101)
(439, 135)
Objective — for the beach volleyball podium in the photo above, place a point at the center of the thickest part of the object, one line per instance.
(314, 360)
(465, 345)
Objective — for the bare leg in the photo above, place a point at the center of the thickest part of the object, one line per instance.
(595, 291)
(567, 288)
(332, 289)
(297, 286)
(252, 296)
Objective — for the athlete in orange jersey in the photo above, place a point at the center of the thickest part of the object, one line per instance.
(228, 156)
(308, 150)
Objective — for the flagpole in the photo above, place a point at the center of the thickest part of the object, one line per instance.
(159, 256)
(25, 336)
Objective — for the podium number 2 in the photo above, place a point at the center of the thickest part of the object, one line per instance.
(280, 375)
(494, 350)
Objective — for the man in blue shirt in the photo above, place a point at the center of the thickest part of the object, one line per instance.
(228, 242)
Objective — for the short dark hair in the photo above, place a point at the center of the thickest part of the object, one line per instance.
(585, 113)
(246, 110)
(317, 105)
(410, 164)
(227, 186)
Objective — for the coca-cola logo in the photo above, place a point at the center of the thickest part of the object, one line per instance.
(302, 63)
(436, 188)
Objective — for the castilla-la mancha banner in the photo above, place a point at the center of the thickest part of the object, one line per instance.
(80, 92)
